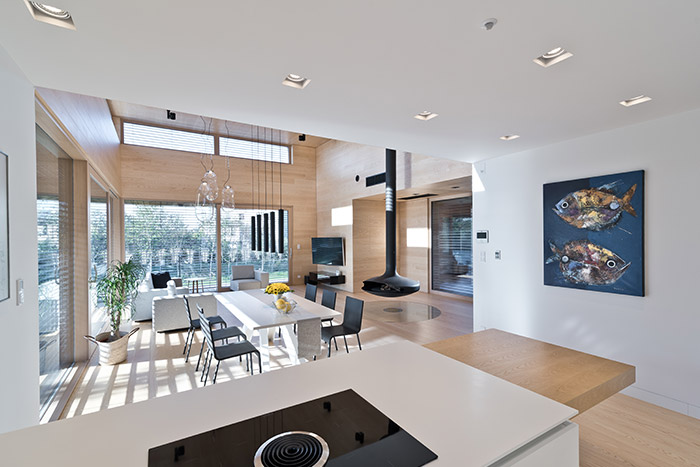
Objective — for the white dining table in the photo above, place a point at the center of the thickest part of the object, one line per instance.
(255, 310)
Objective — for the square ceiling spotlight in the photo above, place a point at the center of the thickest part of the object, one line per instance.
(553, 57)
(426, 115)
(50, 15)
(635, 100)
(296, 81)
(509, 137)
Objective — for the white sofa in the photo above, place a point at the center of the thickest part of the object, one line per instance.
(247, 277)
(143, 303)
(168, 313)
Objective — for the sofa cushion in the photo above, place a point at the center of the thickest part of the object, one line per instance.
(242, 272)
(160, 280)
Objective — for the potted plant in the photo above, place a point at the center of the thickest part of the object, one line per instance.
(117, 289)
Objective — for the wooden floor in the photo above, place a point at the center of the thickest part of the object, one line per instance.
(623, 432)
(620, 432)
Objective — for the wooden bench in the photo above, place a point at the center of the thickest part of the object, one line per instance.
(576, 379)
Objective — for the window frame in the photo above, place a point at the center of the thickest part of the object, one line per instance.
(217, 143)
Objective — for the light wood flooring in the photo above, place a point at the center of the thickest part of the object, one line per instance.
(619, 432)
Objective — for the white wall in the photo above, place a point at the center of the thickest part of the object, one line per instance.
(659, 333)
(19, 337)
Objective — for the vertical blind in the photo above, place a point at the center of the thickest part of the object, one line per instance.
(452, 246)
(55, 253)
(168, 237)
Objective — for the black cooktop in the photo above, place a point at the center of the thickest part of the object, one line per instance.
(339, 430)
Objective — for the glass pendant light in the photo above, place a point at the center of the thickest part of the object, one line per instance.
(204, 209)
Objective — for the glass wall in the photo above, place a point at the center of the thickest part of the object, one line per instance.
(55, 244)
(235, 245)
(169, 237)
(99, 256)
(452, 269)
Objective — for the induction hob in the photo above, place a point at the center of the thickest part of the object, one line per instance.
(338, 430)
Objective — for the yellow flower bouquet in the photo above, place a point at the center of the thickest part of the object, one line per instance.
(281, 303)
(277, 288)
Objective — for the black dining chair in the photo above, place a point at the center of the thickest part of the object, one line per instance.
(225, 351)
(310, 293)
(328, 300)
(352, 323)
(193, 326)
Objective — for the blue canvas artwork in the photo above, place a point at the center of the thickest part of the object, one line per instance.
(594, 233)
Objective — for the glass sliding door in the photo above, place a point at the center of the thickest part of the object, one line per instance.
(168, 237)
(99, 253)
(236, 245)
(452, 269)
(55, 244)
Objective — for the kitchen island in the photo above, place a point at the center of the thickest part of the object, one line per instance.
(465, 416)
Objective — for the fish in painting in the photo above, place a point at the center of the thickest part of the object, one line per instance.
(595, 208)
(582, 262)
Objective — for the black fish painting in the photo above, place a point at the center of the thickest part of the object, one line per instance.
(593, 236)
(595, 208)
(582, 262)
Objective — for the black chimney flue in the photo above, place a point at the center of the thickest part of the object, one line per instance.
(390, 284)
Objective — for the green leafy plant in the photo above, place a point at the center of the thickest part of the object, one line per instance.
(117, 289)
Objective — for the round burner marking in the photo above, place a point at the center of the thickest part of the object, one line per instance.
(293, 449)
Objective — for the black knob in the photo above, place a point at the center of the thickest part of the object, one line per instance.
(360, 436)
(327, 406)
(179, 452)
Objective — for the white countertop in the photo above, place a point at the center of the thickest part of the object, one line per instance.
(467, 417)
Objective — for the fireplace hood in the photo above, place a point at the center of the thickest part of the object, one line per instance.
(390, 284)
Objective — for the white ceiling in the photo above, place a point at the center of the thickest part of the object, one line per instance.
(375, 64)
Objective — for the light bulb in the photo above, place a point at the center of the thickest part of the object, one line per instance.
(204, 209)
(210, 178)
(203, 189)
(227, 197)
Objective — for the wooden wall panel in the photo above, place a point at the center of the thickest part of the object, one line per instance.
(414, 261)
(368, 238)
(338, 163)
(87, 122)
(153, 174)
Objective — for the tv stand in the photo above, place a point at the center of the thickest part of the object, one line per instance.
(316, 278)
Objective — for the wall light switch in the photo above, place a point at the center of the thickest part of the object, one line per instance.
(498, 254)
(20, 292)
(298, 276)
(298, 246)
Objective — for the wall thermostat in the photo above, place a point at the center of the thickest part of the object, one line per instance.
(482, 236)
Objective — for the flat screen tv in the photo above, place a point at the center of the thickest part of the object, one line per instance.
(328, 251)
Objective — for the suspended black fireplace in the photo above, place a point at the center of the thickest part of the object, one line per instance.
(390, 284)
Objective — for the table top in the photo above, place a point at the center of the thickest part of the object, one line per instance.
(193, 279)
(467, 417)
(254, 309)
(574, 378)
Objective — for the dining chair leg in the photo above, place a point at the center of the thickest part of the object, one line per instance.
(358, 341)
(329, 347)
(200, 356)
(259, 362)
(336, 343)
(186, 340)
(188, 345)
(216, 372)
(346, 344)
(205, 367)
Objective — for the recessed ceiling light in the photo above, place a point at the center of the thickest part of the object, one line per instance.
(425, 115)
(509, 137)
(50, 14)
(552, 57)
(296, 81)
(635, 100)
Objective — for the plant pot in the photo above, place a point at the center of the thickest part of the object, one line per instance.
(111, 352)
